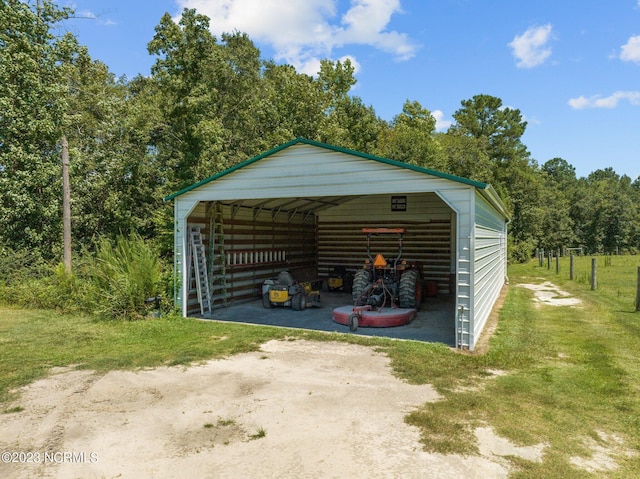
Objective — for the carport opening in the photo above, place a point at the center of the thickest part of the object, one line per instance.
(247, 242)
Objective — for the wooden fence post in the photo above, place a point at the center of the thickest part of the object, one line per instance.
(571, 271)
(558, 263)
(593, 274)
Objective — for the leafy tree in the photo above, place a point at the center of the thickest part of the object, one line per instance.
(32, 106)
(410, 137)
(336, 79)
(557, 223)
(189, 133)
(498, 132)
(348, 121)
(557, 228)
(464, 156)
(561, 173)
(294, 104)
(606, 212)
(484, 118)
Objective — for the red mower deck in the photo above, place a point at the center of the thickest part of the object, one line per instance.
(384, 318)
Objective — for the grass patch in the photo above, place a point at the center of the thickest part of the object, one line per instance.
(13, 410)
(33, 341)
(568, 373)
(259, 434)
(226, 422)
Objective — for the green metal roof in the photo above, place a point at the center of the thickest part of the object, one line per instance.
(486, 189)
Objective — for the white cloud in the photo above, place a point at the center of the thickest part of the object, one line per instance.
(630, 51)
(85, 14)
(304, 31)
(441, 123)
(611, 101)
(530, 48)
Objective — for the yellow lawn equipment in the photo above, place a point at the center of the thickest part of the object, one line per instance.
(285, 291)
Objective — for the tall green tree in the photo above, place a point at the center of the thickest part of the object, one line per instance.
(189, 133)
(114, 176)
(605, 214)
(464, 156)
(410, 137)
(483, 117)
(294, 104)
(348, 121)
(560, 184)
(498, 130)
(32, 107)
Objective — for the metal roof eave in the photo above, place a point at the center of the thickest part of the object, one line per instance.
(359, 154)
(485, 189)
(491, 195)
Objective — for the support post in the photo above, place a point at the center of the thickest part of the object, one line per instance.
(594, 282)
(66, 206)
(571, 267)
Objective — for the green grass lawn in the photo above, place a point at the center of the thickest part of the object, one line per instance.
(565, 377)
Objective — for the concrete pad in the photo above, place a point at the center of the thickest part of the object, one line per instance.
(435, 322)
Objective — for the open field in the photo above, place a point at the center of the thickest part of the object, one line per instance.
(555, 393)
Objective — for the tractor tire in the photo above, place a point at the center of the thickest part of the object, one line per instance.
(410, 290)
(360, 283)
(266, 302)
(298, 302)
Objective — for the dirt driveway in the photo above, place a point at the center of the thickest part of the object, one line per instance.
(294, 409)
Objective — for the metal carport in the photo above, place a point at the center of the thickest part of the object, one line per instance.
(301, 207)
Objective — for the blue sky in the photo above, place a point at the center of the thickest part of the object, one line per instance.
(572, 67)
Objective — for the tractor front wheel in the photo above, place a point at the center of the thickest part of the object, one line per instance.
(360, 283)
(410, 290)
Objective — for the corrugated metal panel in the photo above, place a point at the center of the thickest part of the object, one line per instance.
(182, 208)
(489, 261)
(461, 201)
(485, 188)
(307, 171)
(427, 239)
(487, 216)
(258, 245)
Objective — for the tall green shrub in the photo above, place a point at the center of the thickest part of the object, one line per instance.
(127, 272)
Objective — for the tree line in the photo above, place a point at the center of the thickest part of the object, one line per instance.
(210, 103)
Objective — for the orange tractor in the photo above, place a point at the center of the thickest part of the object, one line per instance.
(385, 292)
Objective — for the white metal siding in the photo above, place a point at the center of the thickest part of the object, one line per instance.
(489, 262)
(182, 208)
(304, 170)
(461, 200)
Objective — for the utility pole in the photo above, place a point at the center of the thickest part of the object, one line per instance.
(66, 207)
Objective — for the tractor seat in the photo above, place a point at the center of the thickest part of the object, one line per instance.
(285, 278)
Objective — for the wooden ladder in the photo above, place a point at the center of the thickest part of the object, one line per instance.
(200, 270)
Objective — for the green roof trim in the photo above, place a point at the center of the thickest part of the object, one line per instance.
(419, 169)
